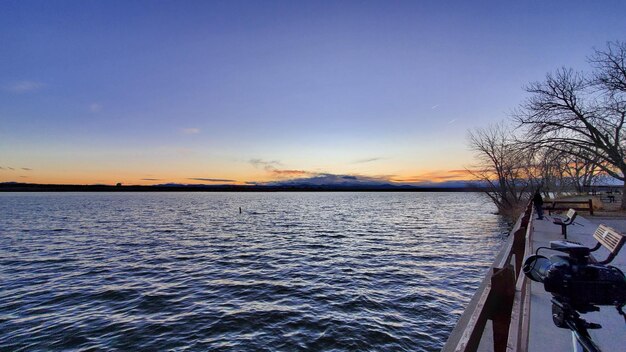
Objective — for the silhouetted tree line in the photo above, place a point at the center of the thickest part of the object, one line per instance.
(567, 135)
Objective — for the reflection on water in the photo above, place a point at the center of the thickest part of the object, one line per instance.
(294, 271)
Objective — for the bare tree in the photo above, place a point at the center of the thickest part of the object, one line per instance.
(610, 66)
(548, 172)
(581, 172)
(570, 112)
(502, 167)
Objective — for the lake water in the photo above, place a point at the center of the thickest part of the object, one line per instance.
(187, 271)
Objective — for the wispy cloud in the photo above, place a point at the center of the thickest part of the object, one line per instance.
(368, 160)
(210, 179)
(410, 179)
(451, 121)
(24, 86)
(461, 171)
(271, 166)
(434, 107)
(13, 169)
(291, 173)
(151, 179)
(190, 130)
(95, 107)
(284, 176)
(268, 165)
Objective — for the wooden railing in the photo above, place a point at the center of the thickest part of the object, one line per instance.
(566, 204)
(503, 297)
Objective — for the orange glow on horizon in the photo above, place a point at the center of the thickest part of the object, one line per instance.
(436, 176)
(259, 176)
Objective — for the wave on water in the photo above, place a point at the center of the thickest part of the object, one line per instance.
(187, 271)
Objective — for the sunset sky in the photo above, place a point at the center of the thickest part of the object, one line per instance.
(257, 91)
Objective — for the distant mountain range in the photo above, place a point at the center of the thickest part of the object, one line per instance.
(332, 180)
(311, 184)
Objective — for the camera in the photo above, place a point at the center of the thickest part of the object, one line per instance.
(575, 280)
(578, 285)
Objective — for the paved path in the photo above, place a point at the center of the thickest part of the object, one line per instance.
(544, 335)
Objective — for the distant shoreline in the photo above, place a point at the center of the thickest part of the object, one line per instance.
(31, 187)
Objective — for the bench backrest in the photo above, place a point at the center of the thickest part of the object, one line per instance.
(571, 214)
(609, 238)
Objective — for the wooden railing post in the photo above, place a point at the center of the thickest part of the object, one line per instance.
(503, 292)
(590, 207)
(519, 242)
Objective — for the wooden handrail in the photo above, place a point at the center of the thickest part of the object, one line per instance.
(500, 297)
(520, 311)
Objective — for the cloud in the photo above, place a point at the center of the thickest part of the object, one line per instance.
(410, 179)
(451, 121)
(190, 130)
(10, 168)
(290, 173)
(210, 179)
(461, 171)
(268, 165)
(151, 179)
(434, 107)
(368, 160)
(95, 107)
(286, 176)
(1, 168)
(24, 86)
(271, 166)
(27, 169)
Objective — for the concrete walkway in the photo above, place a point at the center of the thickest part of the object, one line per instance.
(544, 335)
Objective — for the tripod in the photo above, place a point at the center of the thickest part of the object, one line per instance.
(565, 316)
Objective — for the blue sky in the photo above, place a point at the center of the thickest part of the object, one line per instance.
(167, 91)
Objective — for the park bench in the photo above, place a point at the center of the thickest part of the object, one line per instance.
(586, 205)
(571, 216)
(610, 196)
(610, 239)
(606, 236)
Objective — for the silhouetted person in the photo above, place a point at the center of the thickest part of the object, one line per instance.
(538, 203)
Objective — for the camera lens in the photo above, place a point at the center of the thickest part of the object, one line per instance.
(536, 267)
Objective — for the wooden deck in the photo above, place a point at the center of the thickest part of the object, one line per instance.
(544, 336)
(528, 318)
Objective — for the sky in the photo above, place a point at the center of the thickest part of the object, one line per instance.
(153, 92)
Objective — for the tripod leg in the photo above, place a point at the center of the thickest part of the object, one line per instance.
(581, 335)
(577, 346)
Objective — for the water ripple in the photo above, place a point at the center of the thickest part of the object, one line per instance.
(186, 271)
